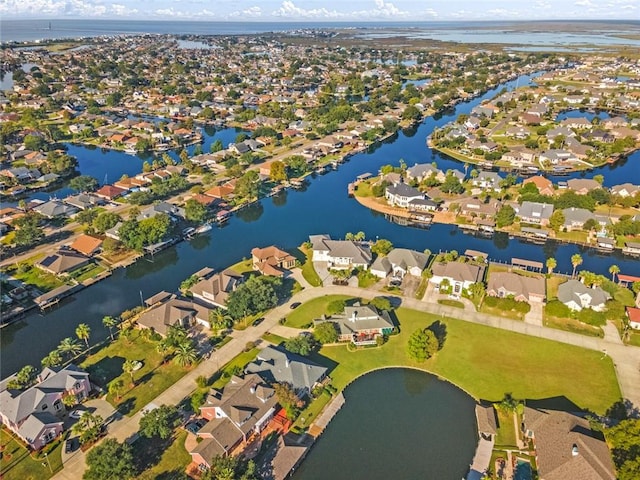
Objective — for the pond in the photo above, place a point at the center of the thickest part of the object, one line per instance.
(396, 424)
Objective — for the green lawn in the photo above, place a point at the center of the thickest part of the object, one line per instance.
(488, 362)
(18, 464)
(161, 459)
(572, 325)
(243, 266)
(222, 377)
(152, 379)
(552, 286)
(32, 275)
(308, 272)
(309, 414)
(500, 312)
(305, 314)
(86, 272)
(506, 429)
(273, 338)
(451, 303)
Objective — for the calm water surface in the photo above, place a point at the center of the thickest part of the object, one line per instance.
(396, 424)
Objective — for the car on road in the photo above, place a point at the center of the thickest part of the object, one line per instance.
(294, 305)
(258, 321)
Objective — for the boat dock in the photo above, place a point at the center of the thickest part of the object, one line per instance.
(327, 415)
(481, 459)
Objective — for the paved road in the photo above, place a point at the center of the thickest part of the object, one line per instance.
(626, 359)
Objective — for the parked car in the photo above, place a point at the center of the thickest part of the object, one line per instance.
(76, 414)
(70, 445)
(258, 321)
(295, 305)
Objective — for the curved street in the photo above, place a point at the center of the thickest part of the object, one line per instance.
(625, 358)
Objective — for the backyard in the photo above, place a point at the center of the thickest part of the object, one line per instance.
(152, 379)
(488, 362)
(18, 464)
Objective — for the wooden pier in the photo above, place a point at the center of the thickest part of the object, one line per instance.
(327, 415)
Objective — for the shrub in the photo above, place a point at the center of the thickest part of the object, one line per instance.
(591, 317)
(201, 381)
(555, 308)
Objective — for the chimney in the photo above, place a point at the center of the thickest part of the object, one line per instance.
(253, 389)
(287, 362)
(574, 450)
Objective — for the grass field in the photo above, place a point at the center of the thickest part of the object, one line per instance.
(506, 429)
(161, 459)
(488, 363)
(151, 380)
(31, 275)
(308, 272)
(306, 313)
(18, 464)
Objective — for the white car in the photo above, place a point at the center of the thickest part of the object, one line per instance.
(76, 413)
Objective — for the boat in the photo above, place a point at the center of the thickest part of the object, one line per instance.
(187, 232)
(203, 228)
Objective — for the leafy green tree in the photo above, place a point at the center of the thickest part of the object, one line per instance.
(231, 468)
(255, 295)
(23, 379)
(302, 345)
(382, 247)
(34, 142)
(557, 220)
(216, 146)
(88, 427)
(451, 184)
(105, 220)
(115, 388)
(505, 216)
(288, 399)
(195, 211)
(159, 422)
(278, 171)
(83, 332)
(110, 461)
(422, 345)
(411, 112)
(248, 185)
(624, 439)
(326, 332)
(28, 232)
(614, 270)
(83, 183)
(381, 303)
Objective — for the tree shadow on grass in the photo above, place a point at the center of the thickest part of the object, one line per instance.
(105, 370)
(126, 406)
(147, 452)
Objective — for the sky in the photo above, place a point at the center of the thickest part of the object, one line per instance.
(323, 10)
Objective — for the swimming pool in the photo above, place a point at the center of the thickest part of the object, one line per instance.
(523, 470)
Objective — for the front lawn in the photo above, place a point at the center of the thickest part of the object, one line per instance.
(505, 307)
(488, 362)
(150, 381)
(161, 459)
(306, 313)
(308, 272)
(451, 303)
(572, 325)
(19, 464)
(234, 367)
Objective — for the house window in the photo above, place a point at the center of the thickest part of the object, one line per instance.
(45, 406)
(57, 405)
(77, 386)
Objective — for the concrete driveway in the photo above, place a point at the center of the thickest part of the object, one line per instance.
(535, 315)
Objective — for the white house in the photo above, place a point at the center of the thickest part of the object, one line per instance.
(340, 254)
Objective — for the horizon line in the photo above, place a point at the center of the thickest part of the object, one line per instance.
(302, 20)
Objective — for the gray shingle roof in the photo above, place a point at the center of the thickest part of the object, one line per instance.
(572, 290)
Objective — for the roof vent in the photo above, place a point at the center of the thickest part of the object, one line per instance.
(574, 450)
(253, 389)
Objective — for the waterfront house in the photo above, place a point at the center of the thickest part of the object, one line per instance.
(214, 290)
(401, 195)
(61, 262)
(86, 245)
(582, 186)
(575, 218)
(173, 312)
(110, 192)
(275, 364)
(84, 201)
(423, 171)
(272, 261)
(151, 211)
(54, 209)
(625, 190)
(534, 212)
(566, 446)
(460, 276)
(340, 254)
(360, 324)
(236, 415)
(35, 414)
(487, 181)
(576, 295)
(545, 187)
(220, 191)
(557, 156)
(399, 262)
(522, 288)
(631, 248)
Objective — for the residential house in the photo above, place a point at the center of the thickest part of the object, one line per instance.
(54, 209)
(535, 212)
(582, 186)
(173, 312)
(460, 276)
(340, 254)
(399, 262)
(401, 194)
(86, 245)
(110, 192)
(625, 190)
(61, 262)
(215, 290)
(545, 186)
(84, 201)
(566, 446)
(236, 415)
(423, 171)
(220, 191)
(163, 207)
(275, 364)
(633, 315)
(487, 181)
(557, 156)
(575, 218)
(360, 324)
(272, 261)
(34, 414)
(576, 295)
(530, 289)
(474, 207)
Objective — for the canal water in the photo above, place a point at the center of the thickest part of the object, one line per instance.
(396, 424)
(287, 220)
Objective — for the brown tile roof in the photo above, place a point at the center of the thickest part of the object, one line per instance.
(86, 244)
(110, 192)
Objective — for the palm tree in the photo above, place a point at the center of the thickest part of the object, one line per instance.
(52, 360)
(115, 388)
(185, 354)
(110, 322)
(83, 331)
(163, 348)
(551, 264)
(70, 347)
(576, 260)
(614, 270)
(129, 367)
